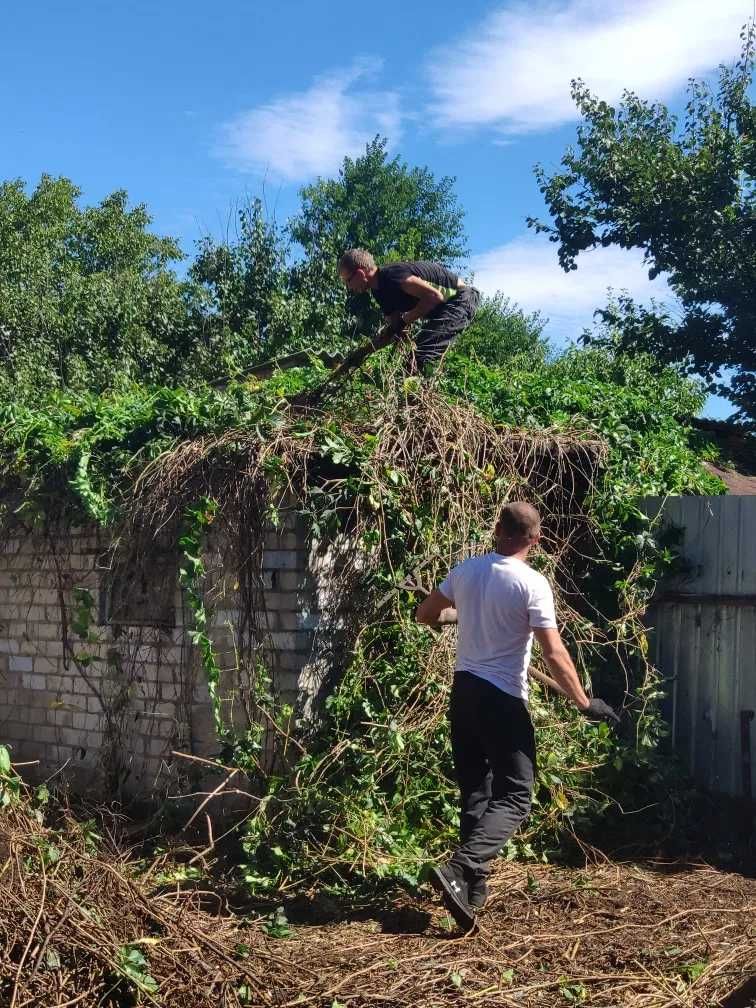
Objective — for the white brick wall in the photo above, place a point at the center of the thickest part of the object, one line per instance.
(52, 711)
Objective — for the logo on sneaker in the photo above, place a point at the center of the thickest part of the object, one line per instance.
(456, 887)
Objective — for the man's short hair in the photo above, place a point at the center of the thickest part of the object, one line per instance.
(519, 520)
(354, 259)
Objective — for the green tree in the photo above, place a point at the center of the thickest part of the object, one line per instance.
(248, 310)
(502, 332)
(88, 299)
(86, 296)
(271, 289)
(381, 204)
(243, 276)
(378, 203)
(684, 193)
(257, 302)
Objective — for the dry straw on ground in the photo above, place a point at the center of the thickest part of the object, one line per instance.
(610, 935)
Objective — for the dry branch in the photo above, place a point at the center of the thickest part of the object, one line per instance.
(612, 935)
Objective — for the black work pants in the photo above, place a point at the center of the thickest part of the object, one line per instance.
(493, 745)
(442, 326)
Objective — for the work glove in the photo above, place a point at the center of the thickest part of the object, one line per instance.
(599, 710)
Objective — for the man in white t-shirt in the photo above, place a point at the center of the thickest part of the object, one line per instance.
(499, 603)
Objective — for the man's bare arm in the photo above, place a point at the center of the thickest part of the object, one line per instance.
(561, 666)
(436, 610)
(429, 298)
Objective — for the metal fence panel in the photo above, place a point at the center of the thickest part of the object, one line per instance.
(705, 639)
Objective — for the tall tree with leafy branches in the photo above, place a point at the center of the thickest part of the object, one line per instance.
(87, 296)
(380, 203)
(684, 192)
(278, 287)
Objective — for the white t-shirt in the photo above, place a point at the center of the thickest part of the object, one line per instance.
(499, 600)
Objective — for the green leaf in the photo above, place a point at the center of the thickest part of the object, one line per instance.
(692, 971)
(52, 959)
(277, 926)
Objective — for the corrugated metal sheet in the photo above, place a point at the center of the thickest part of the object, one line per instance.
(705, 638)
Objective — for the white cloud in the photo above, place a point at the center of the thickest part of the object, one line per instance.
(527, 270)
(298, 136)
(513, 70)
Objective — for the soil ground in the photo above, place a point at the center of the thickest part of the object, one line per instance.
(87, 923)
(654, 935)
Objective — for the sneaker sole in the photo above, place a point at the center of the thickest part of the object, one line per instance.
(462, 914)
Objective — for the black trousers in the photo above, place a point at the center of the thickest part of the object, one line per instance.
(443, 325)
(493, 745)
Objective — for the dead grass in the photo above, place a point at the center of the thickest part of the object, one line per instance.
(648, 935)
(610, 935)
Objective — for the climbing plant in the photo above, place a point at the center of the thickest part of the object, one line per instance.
(410, 475)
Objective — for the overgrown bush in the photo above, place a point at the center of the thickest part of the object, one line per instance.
(108, 414)
(417, 473)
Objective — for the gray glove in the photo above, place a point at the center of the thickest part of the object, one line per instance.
(599, 710)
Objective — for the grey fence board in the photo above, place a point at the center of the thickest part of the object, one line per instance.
(704, 634)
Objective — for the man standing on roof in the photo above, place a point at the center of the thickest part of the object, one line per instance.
(499, 603)
(409, 292)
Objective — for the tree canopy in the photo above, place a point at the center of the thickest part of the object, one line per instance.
(272, 289)
(89, 297)
(685, 193)
(381, 204)
(86, 296)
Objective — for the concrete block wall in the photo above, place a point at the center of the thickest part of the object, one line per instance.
(107, 714)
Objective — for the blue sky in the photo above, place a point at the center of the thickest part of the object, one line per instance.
(191, 108)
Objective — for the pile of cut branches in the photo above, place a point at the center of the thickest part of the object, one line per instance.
(83, 923)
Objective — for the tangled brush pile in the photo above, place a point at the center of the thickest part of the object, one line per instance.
(82, 922)
(407, 482)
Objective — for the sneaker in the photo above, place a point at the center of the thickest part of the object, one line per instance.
(477, 891)
(450, 881)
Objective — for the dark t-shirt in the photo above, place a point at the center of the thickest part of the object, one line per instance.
(390, 295)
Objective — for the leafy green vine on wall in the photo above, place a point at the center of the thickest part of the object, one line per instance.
(197, 521)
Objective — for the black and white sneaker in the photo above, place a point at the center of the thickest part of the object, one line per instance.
(477, 892)
(450, 881)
